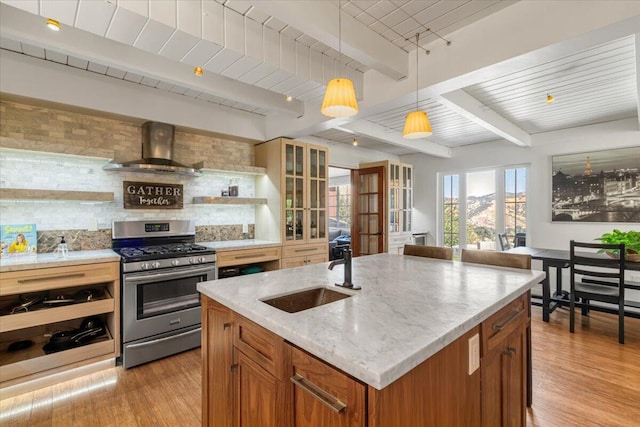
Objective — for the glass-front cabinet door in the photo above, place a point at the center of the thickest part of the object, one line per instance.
(407, 196)
(295, 191)
(394, 198)
(318, 184)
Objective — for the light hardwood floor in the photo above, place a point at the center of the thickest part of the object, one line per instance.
(584, 379)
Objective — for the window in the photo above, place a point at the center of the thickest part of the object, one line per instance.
(515, 202)
(477, 205)
(451, 210)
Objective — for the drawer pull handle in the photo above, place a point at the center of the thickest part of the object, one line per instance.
(250, 256)
(42, 279)
(226, 325)
(334, 404)
(500, 326)
(306, 250)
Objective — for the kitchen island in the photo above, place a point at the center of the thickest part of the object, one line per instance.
(404, 350)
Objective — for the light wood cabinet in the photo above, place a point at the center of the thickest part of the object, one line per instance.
(40, 322)
(398, 204)
(503, 366)
(296, 190)
(267, 259)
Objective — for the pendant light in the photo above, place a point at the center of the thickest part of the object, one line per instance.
(416, 124)
(340, 97)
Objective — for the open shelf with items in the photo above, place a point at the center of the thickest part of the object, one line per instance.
(40, 322)
(266, 259)
(213, 200)
(66, 195)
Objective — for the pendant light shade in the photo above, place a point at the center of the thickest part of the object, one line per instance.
(340, 96)
(339, 99)
(416, 125)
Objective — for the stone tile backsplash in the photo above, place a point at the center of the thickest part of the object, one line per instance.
(87, 224)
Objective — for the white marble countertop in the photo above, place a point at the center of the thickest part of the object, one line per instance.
(47, 260)
(234, 245)
(409, 308)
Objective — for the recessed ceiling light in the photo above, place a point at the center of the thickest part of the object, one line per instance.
(289, 98)
(550, 99)
(52, 24)
(198, 71)
(354, 142)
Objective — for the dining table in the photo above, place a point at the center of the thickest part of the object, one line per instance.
(559, 260)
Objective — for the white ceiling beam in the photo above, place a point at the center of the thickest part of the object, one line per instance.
(468, 106)
(319, 20)
(372, 130)
(22, 26)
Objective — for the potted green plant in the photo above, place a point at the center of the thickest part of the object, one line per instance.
(631, 240)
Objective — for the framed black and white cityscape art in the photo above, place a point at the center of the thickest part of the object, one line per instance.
(600, 186)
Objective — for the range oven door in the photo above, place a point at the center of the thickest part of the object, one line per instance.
(156, 302)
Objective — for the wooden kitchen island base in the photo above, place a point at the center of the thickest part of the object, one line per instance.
(252, 377)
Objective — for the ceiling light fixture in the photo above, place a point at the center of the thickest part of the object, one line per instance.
(289, 98)
(198, 71)
(354, 142)
(417, 124)
(52, 24)
(550, 98)
(340, 97)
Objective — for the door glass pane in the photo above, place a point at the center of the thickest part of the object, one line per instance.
(364, 203)
(289, 159)
(314, 163)
(299, 161)
(373, 224)
(364, 224)
(373, 245)
(481, 209)
(323, 165)
(289, 193)
(451, 211)
(373, 183)
(392, 199)
(299, 222)
(299, 192)
(364, 184)
(364, 244)
(314, 194)
(289, 230)
(373, 203)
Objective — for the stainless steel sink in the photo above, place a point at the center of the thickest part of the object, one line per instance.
(304, 300)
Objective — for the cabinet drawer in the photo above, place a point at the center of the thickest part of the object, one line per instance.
(305, 250)
(22, 282)
(501, 324)
(262, 346)
(247, 256)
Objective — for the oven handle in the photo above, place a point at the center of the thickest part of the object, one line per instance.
(147, 343)
(173, 274)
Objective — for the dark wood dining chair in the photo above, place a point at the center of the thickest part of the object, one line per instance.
(499, 259)
(598, 278)
(429, 251)
(503, 240)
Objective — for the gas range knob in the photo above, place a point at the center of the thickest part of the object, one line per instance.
(144, 266)
(175, 262)
(155, 264)
(201, 259)
(192, 261)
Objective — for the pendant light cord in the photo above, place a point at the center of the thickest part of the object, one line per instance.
(340, 31)
(417, 49)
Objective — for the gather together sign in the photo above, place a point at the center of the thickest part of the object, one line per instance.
(147, 195)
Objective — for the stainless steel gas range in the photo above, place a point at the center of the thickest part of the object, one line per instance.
(160, 265)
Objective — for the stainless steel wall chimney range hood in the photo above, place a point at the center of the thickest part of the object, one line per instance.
(158, 140)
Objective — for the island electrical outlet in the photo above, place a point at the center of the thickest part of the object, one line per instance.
(474, 353)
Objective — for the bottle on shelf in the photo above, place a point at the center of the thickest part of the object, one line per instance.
(62, 249)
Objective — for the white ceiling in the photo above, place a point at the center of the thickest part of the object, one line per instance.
(255, 52)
